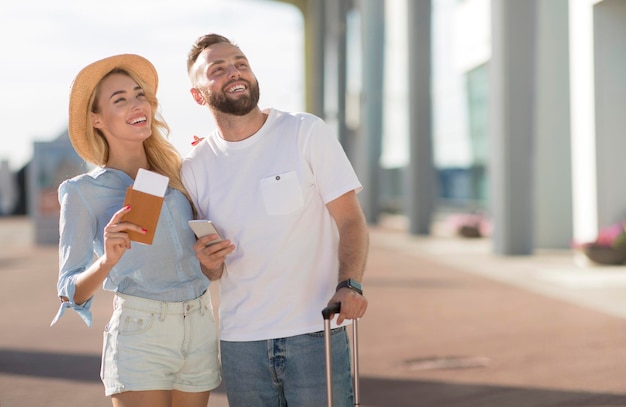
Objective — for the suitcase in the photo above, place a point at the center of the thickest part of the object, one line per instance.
(327, 314)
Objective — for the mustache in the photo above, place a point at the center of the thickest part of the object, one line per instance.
(247, 82)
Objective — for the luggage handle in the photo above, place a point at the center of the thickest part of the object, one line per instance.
(332, 309)
(327, 314)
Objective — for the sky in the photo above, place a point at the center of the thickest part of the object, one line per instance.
(45, 43)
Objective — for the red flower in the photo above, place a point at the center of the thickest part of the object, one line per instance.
(196, 140)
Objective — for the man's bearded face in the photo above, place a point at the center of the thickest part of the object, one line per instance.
(242, 106)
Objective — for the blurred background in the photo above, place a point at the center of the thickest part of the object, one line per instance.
(498, 123)
(503, 118)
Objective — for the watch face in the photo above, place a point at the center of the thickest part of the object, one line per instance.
(351, 284)
(354, 284)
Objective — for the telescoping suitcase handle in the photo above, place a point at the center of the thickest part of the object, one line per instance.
(327, 314)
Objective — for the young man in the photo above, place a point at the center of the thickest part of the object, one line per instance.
(280, 186)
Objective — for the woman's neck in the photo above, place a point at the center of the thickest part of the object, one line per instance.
(129, 164)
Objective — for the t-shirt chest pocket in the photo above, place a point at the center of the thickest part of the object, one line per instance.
(282, 193)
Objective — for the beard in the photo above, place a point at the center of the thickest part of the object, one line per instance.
(240, 107)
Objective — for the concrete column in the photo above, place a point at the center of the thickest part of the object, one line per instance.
(609, 56)
(314, 36)
(553, 161)
(372, 34)
(342, 72)
(420, 174)
(512, 130)
(335, 66)
(582, 105)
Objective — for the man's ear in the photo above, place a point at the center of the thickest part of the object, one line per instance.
(197, 96)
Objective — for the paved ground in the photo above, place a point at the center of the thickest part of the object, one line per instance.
(449, 324)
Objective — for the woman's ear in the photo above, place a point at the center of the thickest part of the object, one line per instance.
(95, 120)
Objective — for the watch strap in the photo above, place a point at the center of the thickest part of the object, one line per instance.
(351, 284)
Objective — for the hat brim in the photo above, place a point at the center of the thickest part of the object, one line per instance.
(84, 85)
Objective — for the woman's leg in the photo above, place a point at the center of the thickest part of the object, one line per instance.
(187, 399)
(151, 398)
(160, 398)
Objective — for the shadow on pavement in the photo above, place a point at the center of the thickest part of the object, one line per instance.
(375, 392)
(55, 365)
(379, 392)
(82, 368)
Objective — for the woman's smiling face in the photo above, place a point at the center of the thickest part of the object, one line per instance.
(123, 114)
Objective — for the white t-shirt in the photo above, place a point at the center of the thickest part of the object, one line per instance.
(268, 194)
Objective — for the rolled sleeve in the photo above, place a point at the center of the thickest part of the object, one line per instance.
(83, 310)
(76, 230)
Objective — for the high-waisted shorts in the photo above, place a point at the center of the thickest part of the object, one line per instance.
(155, 345)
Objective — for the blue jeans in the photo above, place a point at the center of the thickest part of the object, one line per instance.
(287, 371)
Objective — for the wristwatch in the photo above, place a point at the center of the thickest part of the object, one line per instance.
(351, 284)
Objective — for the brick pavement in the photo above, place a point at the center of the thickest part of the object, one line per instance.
(448, 325)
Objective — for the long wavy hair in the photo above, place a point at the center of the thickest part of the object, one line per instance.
(163, 158)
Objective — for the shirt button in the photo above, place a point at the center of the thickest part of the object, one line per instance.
(277, 177)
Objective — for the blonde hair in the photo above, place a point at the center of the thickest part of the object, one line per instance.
(163, 158)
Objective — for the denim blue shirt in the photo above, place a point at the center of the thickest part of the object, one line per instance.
(167, 270)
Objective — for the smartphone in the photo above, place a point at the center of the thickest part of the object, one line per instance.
(203, 228)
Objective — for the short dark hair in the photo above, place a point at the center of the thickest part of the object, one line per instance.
(203, 43)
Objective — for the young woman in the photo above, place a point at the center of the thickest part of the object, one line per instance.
(160, 346)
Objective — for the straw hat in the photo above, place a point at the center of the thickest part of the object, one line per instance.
(84, 85)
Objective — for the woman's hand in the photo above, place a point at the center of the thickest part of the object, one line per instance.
(116, 239)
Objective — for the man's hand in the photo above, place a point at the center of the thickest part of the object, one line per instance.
(353, 304)
(212, 256)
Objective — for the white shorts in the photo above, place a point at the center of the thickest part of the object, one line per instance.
(155, 345)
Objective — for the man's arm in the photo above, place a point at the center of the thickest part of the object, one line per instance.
(353, 250)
